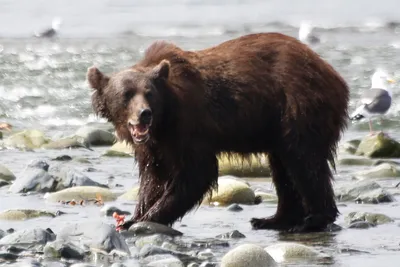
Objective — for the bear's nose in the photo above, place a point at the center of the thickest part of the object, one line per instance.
(145, 116)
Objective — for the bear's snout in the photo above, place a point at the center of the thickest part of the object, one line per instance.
(145, 116)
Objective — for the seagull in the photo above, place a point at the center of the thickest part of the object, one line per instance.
(305, 34)
(377, 100)
(49, 33)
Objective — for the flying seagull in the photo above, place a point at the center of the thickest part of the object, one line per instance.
(306, 35)
(375, 101)
(49, 33)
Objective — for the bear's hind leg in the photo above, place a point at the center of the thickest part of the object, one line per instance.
(311, 176)
(290, 209)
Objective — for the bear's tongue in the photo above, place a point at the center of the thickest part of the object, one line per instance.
(139, 130)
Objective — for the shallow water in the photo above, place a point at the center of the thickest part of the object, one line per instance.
(42, 86)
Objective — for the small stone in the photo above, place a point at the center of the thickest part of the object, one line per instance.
(235, 208)
(109, 211)
(63, 158)
(6, 174)
(231, 235)
(361, 225)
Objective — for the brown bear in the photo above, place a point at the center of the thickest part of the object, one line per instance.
(259, 93)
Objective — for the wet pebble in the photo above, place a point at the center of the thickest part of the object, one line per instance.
(231, 235)
(235, 208)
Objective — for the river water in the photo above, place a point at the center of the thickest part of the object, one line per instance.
(42, 82)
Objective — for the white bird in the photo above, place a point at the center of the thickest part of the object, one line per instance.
(306, 35)
(55, 27)
(377, 100)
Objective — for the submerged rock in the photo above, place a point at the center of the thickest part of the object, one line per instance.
(28, 237)
(150, 228)
(24, 214)
(384, 170)
(255, 166)
(120, 149)
(372, 218)
(363, 191)
(379, 146)
(230, 191)
(247, 255)
(95, 136)
(355, 161)
(349, 147)
(62, 249)
(291, 252)
(78, 193)
(266, 197)
(96, 235)
(231, 235)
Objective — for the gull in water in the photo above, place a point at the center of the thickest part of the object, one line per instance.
(306, 35)
(55, 27)
(375, 101)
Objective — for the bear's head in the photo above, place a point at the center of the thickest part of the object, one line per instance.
(131, 99)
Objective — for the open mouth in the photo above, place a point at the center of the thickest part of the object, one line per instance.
(139, 132)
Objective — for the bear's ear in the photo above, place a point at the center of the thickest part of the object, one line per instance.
(161, 71)
(97, 80)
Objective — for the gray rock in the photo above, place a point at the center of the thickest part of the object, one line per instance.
(361, 225)
(96, 235)
(372, 218)
(68, 177)
(28, 237)
(156, 240)
(231, 235)
(61, 249)
(150, 228)
(150, 250)
(363, 191)
(168, 262)
(109, 211)
(95, 136)
(6, 256)
(209, 243)
(34, 178)
(234, 207)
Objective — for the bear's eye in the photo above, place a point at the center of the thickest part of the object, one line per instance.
(149, 94)
(128, 95)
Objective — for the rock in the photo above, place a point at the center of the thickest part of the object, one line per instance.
(120, 149)
(81, 193)
(29, 139)
(6, 256)
(66, 250)
(363, 191)
(169, 262)
(384, 170)
(130, 195)
(379, 146)
(63, 158)
(209, 243)
(355, 161)
(96, 235)
(361, 225)
(6, 174)
(235, 208)
(349, 147)
(266, 197)
(24, 214)
(34, 178)
(66, 142)
(372, 218)
(69, 177)
(248, 255)
(156, 240)
(150, 228)
(109, 211)
(151, 250)
(28, 237)
(255, 166)
(95, 136)
(230, 191)
(290, 251)
(231, 235)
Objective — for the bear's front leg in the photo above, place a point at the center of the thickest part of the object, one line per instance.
(196, 173)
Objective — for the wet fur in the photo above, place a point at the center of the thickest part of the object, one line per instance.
(260, 93)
